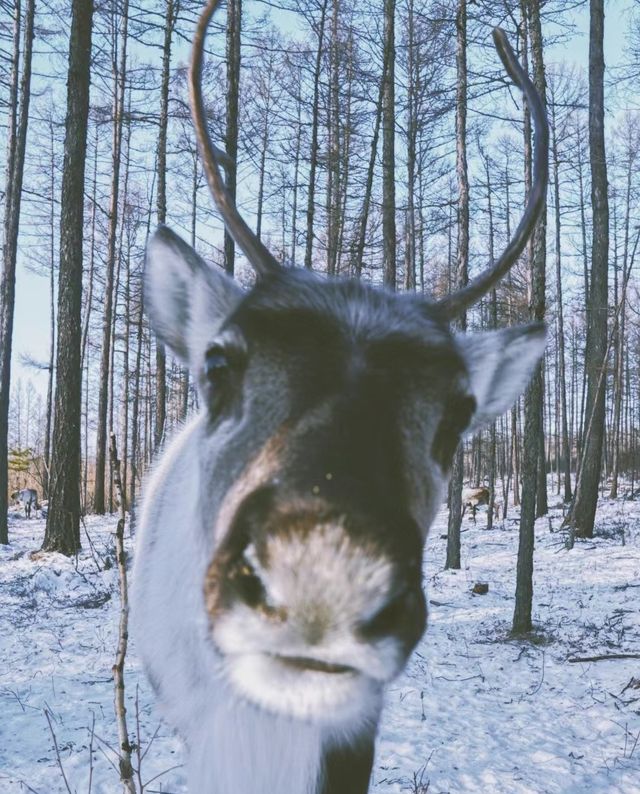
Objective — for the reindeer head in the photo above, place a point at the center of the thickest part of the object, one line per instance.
(331, 413)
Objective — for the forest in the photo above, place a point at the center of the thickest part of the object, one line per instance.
(379, 141)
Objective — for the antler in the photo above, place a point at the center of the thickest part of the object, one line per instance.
(465, 297)
(258, 255)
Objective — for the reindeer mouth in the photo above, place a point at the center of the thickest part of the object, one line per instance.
(304, 663)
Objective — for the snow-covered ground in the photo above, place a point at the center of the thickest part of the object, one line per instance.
(474, 712)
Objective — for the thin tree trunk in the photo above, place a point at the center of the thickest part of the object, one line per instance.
(358, 245)
(15, 169)
(296, 175)
(620, 358)
(412, 134)
(534, 395)
(388, 150)
(233, 53)
(583, 510)
(493, 324)
(315, 123)
(462, 265)
(562, 389)
(119, 62)
(52, 323)
(161, 360)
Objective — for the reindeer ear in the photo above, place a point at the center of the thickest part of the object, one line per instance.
(500, 365)
(186, 299)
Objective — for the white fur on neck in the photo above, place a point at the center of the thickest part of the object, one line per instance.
(237, 739)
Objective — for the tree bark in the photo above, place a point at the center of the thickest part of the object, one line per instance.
(583, 510)
(565, 454)
(534, 395)
(63, 519)
(233, 45)
(462, 264)
(388, 150)
(17, 139)
(119, 62)
(358, 244)
(315, 123)
(161, 359)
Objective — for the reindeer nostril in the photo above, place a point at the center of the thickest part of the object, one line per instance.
(247, 585)
(249, 588)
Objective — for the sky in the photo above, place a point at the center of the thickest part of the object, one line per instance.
(31, 324)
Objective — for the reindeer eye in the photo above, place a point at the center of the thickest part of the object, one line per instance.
(455, 420)
(461, 411)
(221, 379)
(216, 364)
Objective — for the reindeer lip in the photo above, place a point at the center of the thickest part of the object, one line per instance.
(316, 665)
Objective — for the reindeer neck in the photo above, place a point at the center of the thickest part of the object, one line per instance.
(244, 750)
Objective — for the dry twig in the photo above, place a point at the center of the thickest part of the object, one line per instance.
(605, 657)
(55, 744)
(126, 769)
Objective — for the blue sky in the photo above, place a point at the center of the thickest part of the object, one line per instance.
(31, 326)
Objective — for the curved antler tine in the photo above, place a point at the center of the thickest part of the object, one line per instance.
(258, 255)
(465, 297)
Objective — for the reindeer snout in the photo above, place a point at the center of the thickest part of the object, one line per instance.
(312, 575)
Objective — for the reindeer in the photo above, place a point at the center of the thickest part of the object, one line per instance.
(277, 583)
(28, 497)
(473, 498)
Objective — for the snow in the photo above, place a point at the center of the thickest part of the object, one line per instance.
(475, 711)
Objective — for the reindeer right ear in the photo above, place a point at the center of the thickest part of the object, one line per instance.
(186, 299)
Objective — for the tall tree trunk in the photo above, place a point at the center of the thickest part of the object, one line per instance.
(233, 45)
(493, 324)
(315, 123)
(565, 450)
(52, 321)
(583, 511)
(264, 145)
(63, 519)
(462, 264)
(161, 359)
(388, 149)
(619, 383)
(296, 172)
(333, 141)
(16, 144)
(534, 395)
(412, 134)
(358, 244)
(119, 62)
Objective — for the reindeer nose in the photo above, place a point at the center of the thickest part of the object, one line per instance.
(316, 571)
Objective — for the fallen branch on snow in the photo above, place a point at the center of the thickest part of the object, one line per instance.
(605, 657)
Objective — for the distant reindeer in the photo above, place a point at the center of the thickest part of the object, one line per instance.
(473, 498)
(278, 577)
(28, 498)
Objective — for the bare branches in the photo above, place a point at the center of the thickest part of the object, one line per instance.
(126, 769)
(55, 744)
(604, 657)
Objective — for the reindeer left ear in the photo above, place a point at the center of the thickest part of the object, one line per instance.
(500, 365)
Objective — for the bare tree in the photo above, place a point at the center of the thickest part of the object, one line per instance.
(234, 28)
(16, 143)
(63, 519)
(118, 67)
(583, 510)
(462, 264)
(534, 395)
(171, 13)
(388, 148)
